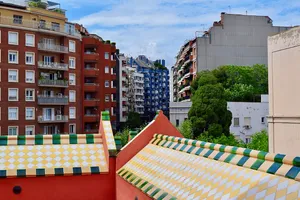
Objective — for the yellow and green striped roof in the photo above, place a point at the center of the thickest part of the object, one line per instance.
(177, 168)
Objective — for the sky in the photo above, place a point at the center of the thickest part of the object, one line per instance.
(158, 28)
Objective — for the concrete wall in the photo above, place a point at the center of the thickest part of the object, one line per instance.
(179, 111)
(284, 117)
(240, 40)
(254, 111)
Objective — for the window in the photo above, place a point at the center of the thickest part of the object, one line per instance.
(29, 130)
(112, 57)
(72, 79)
(72, 45)
(29, 94)
(106, 70)
(13, 57)
(72, 63)
(263, 120)
(29, 76)
(106, 55)
(72, 113)
(247, 121)
(13, 94)
(29, 40)
(72, 96)
(72, 128)
(106, 98)
(236, 121)
(29, 58)
(55, 26)
(106, 84)
(13, 75)
(13, 38)
(13, 113)
(248, 140)
(29, 113)
(177, 122)
(13, 130)
(18, 19)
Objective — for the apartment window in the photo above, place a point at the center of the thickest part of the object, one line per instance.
(13, 114)
(106, 70)
(72, 63)
(13, 75)
(13, 57)
(13, 38)
(29, 76)
(72, 79)
(248, 140)
(29, 113)
(18, 19)
(29, 94)
(55, 26)
(112, 57)
(72, 113)
(106, 84)
(29, 40)
(72, 128)
(247, 121)
(106, 98)
(13, 130)
(263, 120)
(236, 121)
(13, 94)
(72, 96)
(29, 130)
(177, 122)
(29, 58)
(106, 55)
(72, 45)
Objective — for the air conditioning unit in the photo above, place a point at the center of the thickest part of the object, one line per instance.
(59, 117)
(247, 127)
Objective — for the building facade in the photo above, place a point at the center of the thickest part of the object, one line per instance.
(234, 40)
(179, 112)
(40, 71)
(284, 119)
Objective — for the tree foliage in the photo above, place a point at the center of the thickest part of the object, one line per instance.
(259, 141)
(134, 120)
(186, 129)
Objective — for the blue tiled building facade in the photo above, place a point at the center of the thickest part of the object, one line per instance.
(156, 86)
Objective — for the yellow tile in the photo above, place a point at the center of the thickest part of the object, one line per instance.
(281, 193)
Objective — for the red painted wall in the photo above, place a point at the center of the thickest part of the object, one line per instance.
(89, 187)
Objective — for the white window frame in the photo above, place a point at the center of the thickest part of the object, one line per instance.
(70, 75)
(33, 80)
(72, 91)
(17, 115)
(106, 69)
(74, 61)
(106, 85)
(17, 57)
(30, 126)
(234, 122)
(106, 55)
(17, 89)
(72, 116)
(33, 97)
(70, 128)
(17, 132)
(33, 58)
(17, 76)
(28, 44)
(13, 32)
(30, 118)
(72, 42)
(107, 99)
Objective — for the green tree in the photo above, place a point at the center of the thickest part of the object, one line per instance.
(259, 141)
(134, 120)
(124, 136)
(186, 129)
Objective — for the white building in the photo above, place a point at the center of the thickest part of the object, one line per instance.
(179, 112)
(248, 118)
(123, 88)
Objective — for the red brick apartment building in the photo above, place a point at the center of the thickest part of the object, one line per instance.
(43, 78)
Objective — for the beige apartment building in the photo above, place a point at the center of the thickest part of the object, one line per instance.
(284, 92)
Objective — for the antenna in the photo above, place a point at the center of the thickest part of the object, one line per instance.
(246, 12)
(229, 9)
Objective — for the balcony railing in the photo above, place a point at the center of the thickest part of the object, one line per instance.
(53, 100)
(54, 119)
(53, 47)
(53, 83)
(91, 130)
(53, 66)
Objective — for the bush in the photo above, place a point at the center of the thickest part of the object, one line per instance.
(186, 129)
(259, 141)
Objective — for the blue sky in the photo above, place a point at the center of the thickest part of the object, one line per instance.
(158, 28)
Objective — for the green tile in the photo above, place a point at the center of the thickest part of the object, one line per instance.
(90, 139)
(142, 185)
(128, 176)
(155, 192)
(40, 172)
(21, 172)
(234, 149)
(217, 157)
(171, 143)
(56, 139)
(175, 147)
(173, 198)
(77, 171)
(39, 140)
(229, 158)
(2, 173)
(194, 143)
(208, 153)
(120, 171)
(257, 164)
(73, 139)
(183, 147)
(186, 142)
(261, 155)
(21, 139)
(222, 148)
(293, 172)
(3, 140)
(212, 146)
(242, 161)
(105, 116)
(247, 152)
(95, 170)
(149, 188)
(161, 197)
(202, 144)
(59, 171)
(199, 151)
(279, 157)
(191, 149)
(137, 182)
(133, 177)
(273, 169)
(296, 162)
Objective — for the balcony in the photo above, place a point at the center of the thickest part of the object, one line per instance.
(53, 83)
(91, 131)
(53, 66)
(53, 119)
(53, 48)
(91, 72)
(91, 56)
(91, 118)
(91, 102)
(91, 87)
(53, 100)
